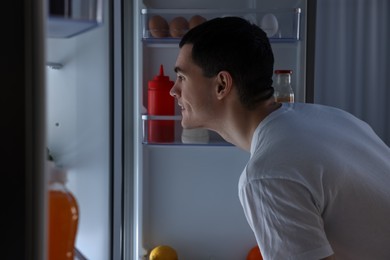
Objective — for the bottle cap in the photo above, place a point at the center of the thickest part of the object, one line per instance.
(56, 173)
(160, 81)
(283, 71)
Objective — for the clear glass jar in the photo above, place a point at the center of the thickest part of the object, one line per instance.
(283, 89)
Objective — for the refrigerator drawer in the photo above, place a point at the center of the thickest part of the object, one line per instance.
(168, 25)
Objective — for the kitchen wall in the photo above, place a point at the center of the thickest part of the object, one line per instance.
(352, 59)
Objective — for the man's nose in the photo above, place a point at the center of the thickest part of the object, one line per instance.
(172, 92)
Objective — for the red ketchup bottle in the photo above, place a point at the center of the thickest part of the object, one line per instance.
(161, 103)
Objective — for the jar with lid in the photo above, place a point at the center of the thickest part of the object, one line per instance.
(283, 91)
(195, 136)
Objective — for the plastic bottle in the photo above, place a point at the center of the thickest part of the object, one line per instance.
(160, 102)
(283, 90)
(63, 216)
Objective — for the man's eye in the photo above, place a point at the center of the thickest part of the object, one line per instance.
(180, 77)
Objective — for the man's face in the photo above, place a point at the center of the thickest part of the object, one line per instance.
(194, 92)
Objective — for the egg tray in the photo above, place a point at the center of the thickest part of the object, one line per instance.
(169, 25)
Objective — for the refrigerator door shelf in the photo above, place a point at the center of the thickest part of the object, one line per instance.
(68, 18)
(155, 130)
(168, 25)
(67, 28)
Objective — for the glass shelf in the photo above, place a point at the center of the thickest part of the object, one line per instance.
(281, 25)
(167, 130)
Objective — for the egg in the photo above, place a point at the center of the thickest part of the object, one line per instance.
(196, 20)
(178, 26)
(269, 24)
(158, 27)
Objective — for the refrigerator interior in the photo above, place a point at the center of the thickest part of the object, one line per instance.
(186, 195)
(78, 126)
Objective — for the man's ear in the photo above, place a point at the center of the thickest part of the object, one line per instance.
(225, 83)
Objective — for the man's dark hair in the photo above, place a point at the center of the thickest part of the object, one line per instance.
(235, 45)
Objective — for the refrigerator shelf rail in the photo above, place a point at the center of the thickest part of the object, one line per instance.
(178, 138)
(161, 26)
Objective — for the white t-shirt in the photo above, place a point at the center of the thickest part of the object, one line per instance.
(317, 184)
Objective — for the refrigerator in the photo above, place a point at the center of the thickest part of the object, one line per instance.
(186, 194)
(86, 100)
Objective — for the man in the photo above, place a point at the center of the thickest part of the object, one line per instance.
(317, 184)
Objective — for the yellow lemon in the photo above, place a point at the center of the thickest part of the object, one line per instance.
(163, 253)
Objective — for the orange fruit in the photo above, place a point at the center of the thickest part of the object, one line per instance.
(254, 254)
(163, 252)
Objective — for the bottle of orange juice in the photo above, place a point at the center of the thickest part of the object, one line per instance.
(63, 216)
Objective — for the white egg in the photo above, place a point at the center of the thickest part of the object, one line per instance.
(269, 24)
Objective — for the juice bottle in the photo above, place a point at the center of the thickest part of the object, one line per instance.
(63, 216)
